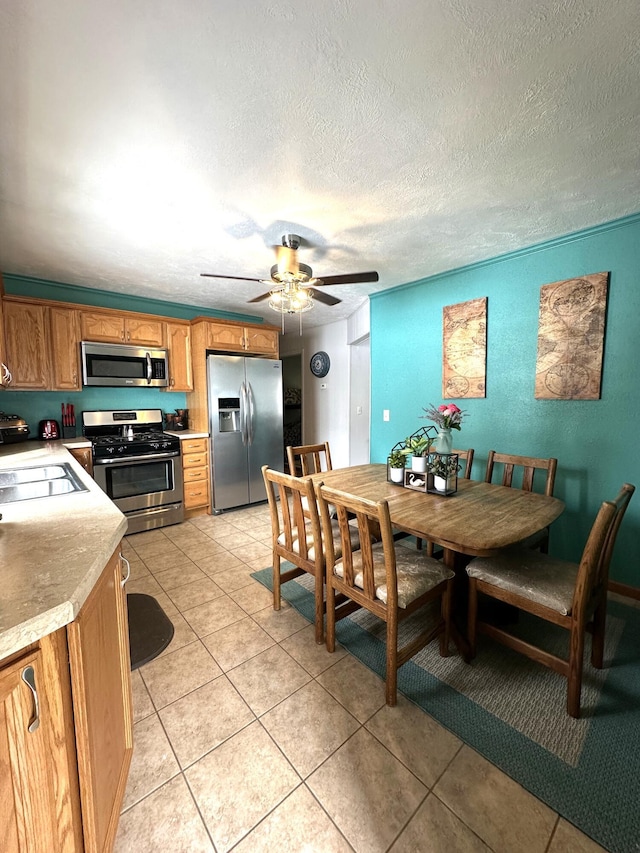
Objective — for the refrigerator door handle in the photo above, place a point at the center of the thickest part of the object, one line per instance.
(251, 415)
(244, 406)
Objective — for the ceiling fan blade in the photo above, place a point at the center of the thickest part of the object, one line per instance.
(326, 298)
(234, 277)
(349, 278)
(261, 297)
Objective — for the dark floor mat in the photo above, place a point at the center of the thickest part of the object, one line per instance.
(150, 629)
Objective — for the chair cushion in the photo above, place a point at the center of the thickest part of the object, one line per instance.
(531, 575)
(416, 574)
(355, 541)
(305, 507)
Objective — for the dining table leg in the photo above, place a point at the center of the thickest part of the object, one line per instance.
(454, 561)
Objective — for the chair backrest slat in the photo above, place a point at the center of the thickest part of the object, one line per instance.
(293, 510)
(529, 465)
(367, 514)
(312, 458)
(465, 456)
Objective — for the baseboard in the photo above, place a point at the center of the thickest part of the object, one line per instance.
(624, 589)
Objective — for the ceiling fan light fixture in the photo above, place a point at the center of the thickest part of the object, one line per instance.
(290, 300)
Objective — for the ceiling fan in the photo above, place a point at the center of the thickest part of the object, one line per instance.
(293, 283)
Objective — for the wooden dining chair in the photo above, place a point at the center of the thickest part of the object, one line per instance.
(296, 536)
(572, 595)
(465, 456)
(309, 458)
(519, 472)
(388, 580)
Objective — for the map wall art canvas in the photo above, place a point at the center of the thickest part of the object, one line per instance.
(571, 338)
(464, 349)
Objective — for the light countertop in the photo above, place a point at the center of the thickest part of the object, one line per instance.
(187, 433)
(52, 550)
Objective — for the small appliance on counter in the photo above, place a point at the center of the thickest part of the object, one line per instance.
(12, 428)
(48, 430)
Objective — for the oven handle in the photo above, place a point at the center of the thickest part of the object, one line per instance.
(136, 460)
(149, 369)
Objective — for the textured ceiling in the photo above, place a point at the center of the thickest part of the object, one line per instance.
(142, 143)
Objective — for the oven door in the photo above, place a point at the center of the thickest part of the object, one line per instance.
(141, 482)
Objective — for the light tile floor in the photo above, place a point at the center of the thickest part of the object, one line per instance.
(250, 737)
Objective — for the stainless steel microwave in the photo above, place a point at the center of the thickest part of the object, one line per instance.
(122, 365)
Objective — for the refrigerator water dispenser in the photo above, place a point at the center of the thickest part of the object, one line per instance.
(229, 414)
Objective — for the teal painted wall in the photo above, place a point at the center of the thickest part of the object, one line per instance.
(594, 441)
(34, 406)
(42, 289)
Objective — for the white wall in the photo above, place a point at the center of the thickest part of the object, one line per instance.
(330, 413)
(325, 411)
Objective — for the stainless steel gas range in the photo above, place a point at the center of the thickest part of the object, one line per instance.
(137, 465)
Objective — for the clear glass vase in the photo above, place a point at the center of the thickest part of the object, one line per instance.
(444, 440)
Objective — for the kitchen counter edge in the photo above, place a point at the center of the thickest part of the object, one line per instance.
(52, 550)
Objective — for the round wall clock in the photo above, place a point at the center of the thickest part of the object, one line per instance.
(320, 364)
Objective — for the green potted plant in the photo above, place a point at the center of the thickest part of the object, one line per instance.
(397, 461)
(444, 468)
(417, 446)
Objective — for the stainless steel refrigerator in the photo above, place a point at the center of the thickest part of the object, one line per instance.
(245, 423)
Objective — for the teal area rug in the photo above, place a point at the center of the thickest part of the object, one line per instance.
(512, 711)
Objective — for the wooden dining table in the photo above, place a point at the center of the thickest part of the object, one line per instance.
(479, 519)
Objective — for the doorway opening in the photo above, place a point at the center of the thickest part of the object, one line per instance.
(292, 403)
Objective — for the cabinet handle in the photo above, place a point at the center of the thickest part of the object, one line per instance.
(6, 374)
(29, 678)
(128, 565)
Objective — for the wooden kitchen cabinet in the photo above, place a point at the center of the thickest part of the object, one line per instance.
(114, 328)
(178, 340)
(39, 803)
(265, 341)
(83, 456)
(26, 328)
(65, 349)
(227, 337)
(101, 686)
(4, 369)
(62, 783)
(195, 470)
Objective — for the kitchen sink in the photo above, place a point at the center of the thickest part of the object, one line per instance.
(38, 481)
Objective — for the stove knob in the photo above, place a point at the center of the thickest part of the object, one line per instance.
(120, 449)
(155, 445)
(110, 449)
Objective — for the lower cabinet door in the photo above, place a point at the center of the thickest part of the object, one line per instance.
(101, 683)
(27, 774)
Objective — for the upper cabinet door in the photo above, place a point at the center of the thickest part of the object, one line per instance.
(143, 331)
(227, 338)
(26, 327)
(105, 328)
(65, 350)
(179, 345)
(114, 328)
(261, 340)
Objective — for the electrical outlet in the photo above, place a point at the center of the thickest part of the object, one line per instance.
(385, 414)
